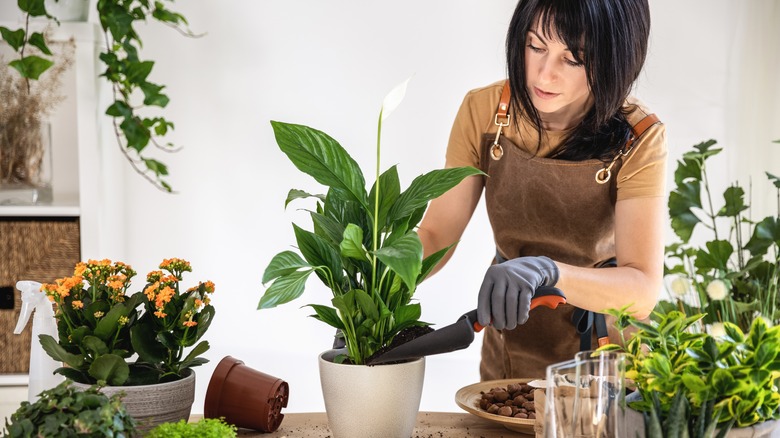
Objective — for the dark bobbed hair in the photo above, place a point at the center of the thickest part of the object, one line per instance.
(615, 36)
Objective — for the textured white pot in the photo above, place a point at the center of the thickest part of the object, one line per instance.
(151, 405)
(378, 401)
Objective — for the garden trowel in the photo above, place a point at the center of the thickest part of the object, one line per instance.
(459, 335)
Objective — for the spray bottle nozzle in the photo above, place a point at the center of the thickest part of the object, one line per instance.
(32, 298)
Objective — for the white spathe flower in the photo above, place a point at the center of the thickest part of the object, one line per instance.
(717, 330)
(680, 285)
(394, 98)
(717, 290)
(767, 321)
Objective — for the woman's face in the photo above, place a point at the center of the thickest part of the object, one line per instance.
(556, 82)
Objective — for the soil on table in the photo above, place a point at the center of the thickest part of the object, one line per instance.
(402, 337)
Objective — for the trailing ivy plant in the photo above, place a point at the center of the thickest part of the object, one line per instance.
(29, 66)
(363, 246)
(128, 75)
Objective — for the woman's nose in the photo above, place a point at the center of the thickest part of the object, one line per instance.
(548, 71)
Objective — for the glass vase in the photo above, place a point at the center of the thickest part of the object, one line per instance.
(26, 165)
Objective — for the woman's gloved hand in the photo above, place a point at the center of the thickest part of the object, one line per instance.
(505, 295)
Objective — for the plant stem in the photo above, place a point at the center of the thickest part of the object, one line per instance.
(375, 230)
(711, 212)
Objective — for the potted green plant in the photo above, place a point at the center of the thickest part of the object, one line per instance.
(696, 384)
(67, 411)
(734, 275)
(101, 327)
(125, 71)
(365, 250)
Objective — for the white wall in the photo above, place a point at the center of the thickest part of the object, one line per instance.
(328, 64)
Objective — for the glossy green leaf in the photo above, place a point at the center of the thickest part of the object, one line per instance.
(427, 187)
(320, 156)
(156, 167)
(352, 244)
(389, 191)
(153, 95)
(284, 289)
(284, 263)
(110, 368)
(366, 305)
(715, 257)
(404, 257)
(327, 315)
(144, 340)
(56, 352)
(136, 134)
(430, 262)
(294, 194)
(192, 358)
(95, 345)
(319, 252)
(765, 234)
(204, 319)
(108, 325)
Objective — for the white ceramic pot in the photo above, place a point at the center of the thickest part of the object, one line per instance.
(380, 401)
(155, 404)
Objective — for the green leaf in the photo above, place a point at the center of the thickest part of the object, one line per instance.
(407, 313)
(352, 244)
(389, 191)
(37, 40)
(136, 134)
(58, 353)
(119, 109)
(430, 262)
(108, 325)
(705, 150)
(734, 198)
(320, 156)
(153, 95)
(687, 169)
(294, 194)
(774, 179)
(14, 38)
(144, 341)
(715, 257)
(318, 252)
(284, 263)
(404, 257)
(284, 289)
(366, 305)
(156, 167)
(35, 8)
(765, 234)
(328, 228)
(95, 345)
(327, 315)
(204, 319)
(110, 368)
(137, 72)
(426, 187)
(199, 349)
(31, 66)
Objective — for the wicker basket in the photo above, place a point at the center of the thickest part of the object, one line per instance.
(38, 249)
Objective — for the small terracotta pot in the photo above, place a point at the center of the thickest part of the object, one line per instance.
(245, 397)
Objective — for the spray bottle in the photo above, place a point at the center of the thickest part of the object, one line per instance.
(42, 366)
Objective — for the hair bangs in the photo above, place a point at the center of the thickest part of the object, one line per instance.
(562, 20)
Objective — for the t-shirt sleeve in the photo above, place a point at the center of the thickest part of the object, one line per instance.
(643, 173)
(464, 143)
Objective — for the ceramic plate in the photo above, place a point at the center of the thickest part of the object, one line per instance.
(468, 399)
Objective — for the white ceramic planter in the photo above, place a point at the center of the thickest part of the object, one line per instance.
(380, 401)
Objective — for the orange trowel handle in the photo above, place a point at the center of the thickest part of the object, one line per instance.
(547, 296)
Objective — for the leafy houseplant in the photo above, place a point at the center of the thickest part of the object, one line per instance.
(363, 246)
(65, 411)
(124, 69)
(691, 383)
(734, 276)
(100, 326)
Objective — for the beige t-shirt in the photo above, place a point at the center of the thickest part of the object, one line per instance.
(642, 174)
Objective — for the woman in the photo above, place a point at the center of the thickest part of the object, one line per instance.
(576, 171)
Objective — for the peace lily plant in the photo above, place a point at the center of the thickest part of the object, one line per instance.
(363, 246)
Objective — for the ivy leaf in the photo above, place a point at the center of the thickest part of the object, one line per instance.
(156, 167)
(136, 134)
(35, 8)
(14, 38)
(37, 40)
(31, 66)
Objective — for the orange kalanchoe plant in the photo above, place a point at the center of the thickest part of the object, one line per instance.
(100, 326)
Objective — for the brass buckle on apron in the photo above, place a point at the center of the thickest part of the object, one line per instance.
(496, 151)
(604, 174)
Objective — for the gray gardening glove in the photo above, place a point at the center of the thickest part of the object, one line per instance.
(505, 295)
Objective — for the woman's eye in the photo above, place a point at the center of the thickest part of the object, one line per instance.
(535, 49)
(572, 62)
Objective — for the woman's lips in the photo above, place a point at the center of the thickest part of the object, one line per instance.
(543, 94)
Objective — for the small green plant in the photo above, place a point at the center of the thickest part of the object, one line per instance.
(65, 411)
(204, 428)
(734, 275)
(29, 66)
(363, 246)
(731, 379)
(101, 327)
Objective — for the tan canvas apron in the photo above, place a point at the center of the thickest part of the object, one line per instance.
(541, 206)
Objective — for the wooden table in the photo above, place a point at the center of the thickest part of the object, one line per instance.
(429, 425)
